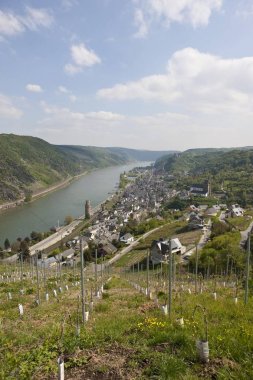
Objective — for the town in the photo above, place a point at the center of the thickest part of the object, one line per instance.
(145, 199)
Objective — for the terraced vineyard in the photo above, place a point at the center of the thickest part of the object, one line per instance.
(130, 333)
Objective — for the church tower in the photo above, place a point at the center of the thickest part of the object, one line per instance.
(209, 188)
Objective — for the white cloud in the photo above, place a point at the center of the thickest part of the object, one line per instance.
(167, 130)
(36, 18)
(72, 69)
(82, 57)
(194, 81)
(63, 90)
(7, 110)
(73, 98)
(105, 116)
(194, 12)
(141, 24)
(210, 100)
(34, 88)
(12, 24)
(244, 9)
(68, 4)
(68, 115)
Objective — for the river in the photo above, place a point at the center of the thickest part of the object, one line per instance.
(45, 212)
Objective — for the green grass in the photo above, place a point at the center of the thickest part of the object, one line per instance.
(137, 255)
(127, 337)
(240, 222)
(131, 258)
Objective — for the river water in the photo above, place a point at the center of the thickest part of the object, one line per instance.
(44, 213)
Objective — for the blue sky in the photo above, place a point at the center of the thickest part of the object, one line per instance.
(147, 74)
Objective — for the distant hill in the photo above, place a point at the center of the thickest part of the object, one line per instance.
(31, 164)
(93, 157)
(141, 155)
(113, 155)
(229, 172)
(210, 161)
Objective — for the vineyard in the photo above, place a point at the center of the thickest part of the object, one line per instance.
(133, 320)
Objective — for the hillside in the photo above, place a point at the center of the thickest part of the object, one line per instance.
(29, 164)
(211, 162)
(113, 155)
(230, 171)
(93, 157)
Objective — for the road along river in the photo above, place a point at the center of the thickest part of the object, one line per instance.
(44, 213)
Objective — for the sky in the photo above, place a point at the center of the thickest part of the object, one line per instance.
(144, 74)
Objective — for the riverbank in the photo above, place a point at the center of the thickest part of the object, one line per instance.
(51, 210)
(41, 193)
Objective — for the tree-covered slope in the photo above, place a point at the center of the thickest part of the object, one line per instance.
(141, 155)
(113, 155)
(230, 172)
(28, 161)
(210, 161)
(94, 157)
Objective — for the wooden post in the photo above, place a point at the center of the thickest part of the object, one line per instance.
(82, 281)
(102, 272)
(170, 278)
(246, 295)
(37, 277)
(227, 266)
(147, 270)
(44, 271)
(196, 270)
(96, 272)
(21, 269)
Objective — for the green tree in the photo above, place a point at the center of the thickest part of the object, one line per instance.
(68, 219)
(24, 248)
(7, 244)
(15, 247)
(28, 196)
(36, 236)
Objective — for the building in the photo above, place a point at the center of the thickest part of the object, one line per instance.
(160, 249)
(236, 210)
(87, 210)
(202, 190)
(127, 238)
(195, 221)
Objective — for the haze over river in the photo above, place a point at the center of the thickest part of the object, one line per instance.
(44, 213)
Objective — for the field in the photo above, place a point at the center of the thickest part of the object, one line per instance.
(127, 336)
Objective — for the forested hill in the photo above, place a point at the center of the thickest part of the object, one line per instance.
(210, 161)
(112, 155)
(29, 164)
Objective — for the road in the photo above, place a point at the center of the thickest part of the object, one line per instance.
(55, 238)
(245, 234)
(222, 217)
(129, 247)
(202, 241)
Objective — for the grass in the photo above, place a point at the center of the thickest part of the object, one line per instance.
(137, 255)
(172, 230)
(131, 258)
(127, 336)
(240, 222)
